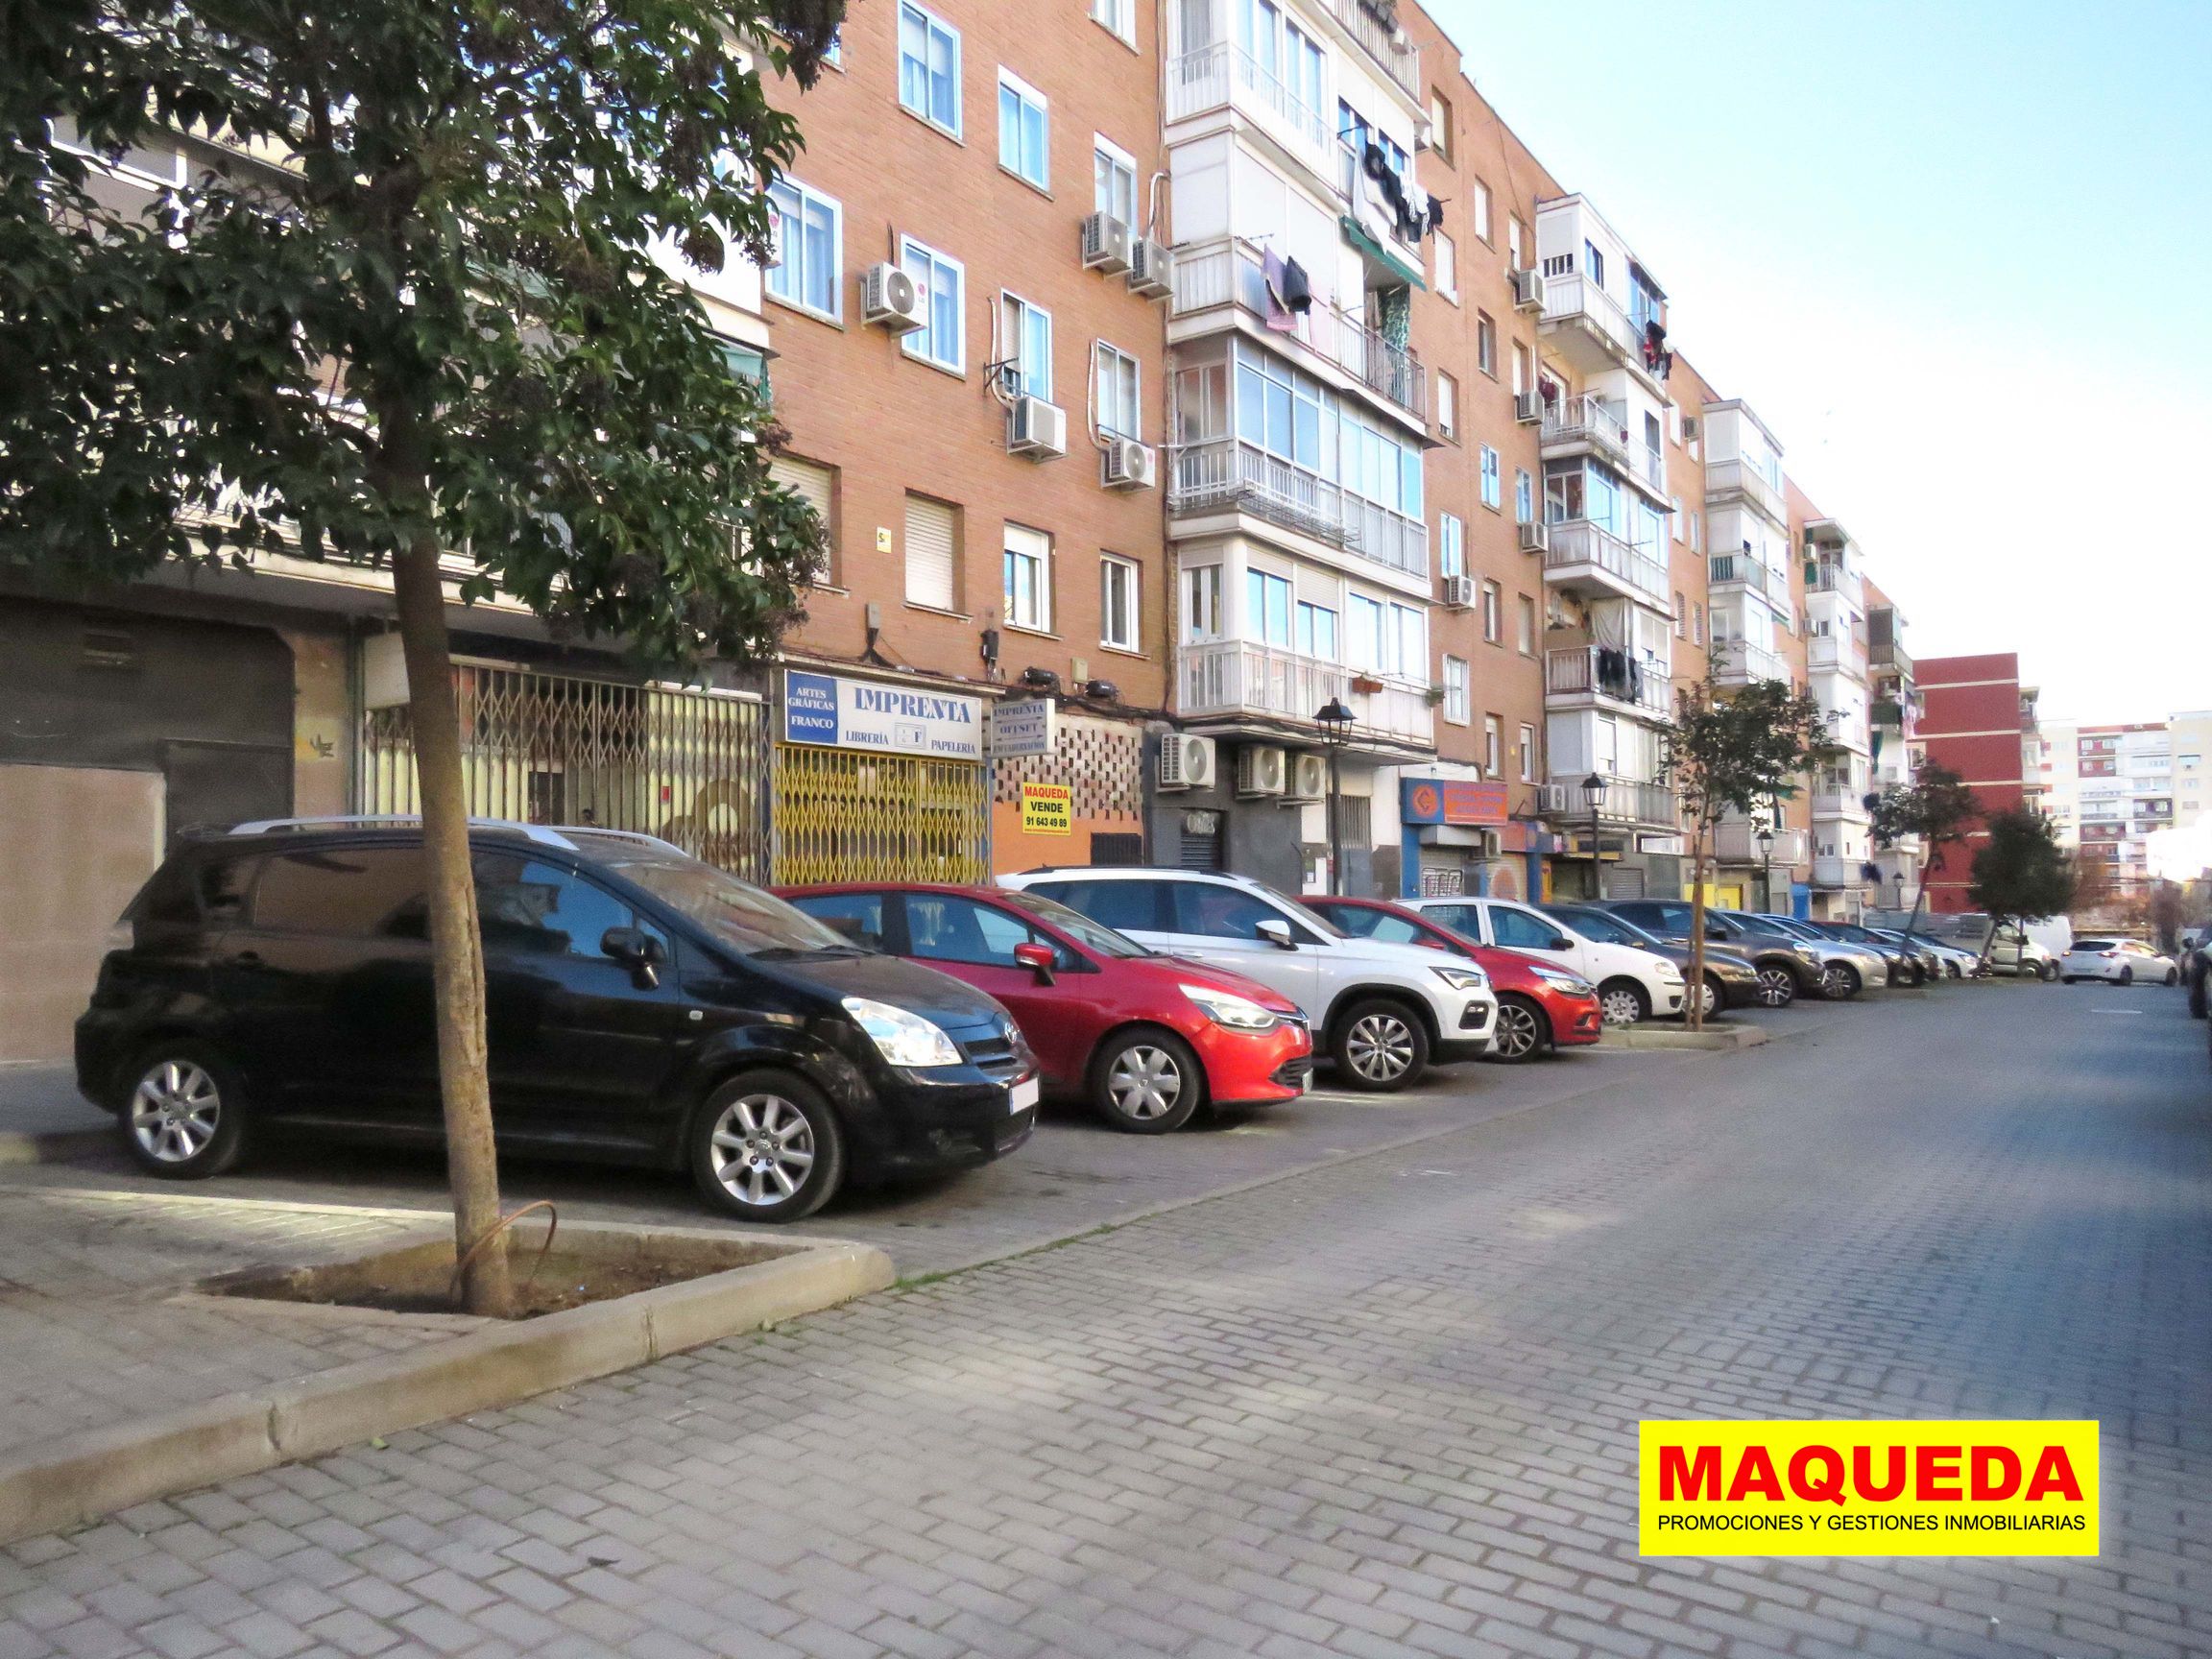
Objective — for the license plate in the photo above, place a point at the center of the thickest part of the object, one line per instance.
(1021, 1097)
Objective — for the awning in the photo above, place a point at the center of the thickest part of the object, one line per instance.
(1361, 238)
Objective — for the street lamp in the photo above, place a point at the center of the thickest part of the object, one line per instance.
(1593, 797)
(1899, 879)
(1765, 840)
(1335, 721)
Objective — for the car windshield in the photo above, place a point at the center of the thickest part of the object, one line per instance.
(1605, 929)
(2093, 944)
(739, 914)
(1075, 925)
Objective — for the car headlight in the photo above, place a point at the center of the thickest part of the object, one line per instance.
(1665, 973)
(1227, 1008)
(901, 1037)
(1578, 985)
(1462, 979)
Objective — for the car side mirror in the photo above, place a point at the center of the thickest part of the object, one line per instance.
(1038, 957)
(1560, 942)
(1275, 933)
(639, 950)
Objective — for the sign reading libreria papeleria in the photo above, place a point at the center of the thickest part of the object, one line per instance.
(835, 712)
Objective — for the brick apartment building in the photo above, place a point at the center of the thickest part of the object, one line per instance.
(1980, 722)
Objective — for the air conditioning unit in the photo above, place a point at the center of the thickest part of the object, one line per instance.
(1035, 428)
(1529, 289)
(1105, 243)
(1260, 769)
(1527, 408)
(1186, 762)
(1552, 799)
(1536, 537)
(1127, 465)
(1458, 593)
(890, 299)
(1308, 778)
(1151, 269)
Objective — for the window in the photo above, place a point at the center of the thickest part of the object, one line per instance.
(1697, 533)
(1451, 545)
(1523, 370)
(1378, 926)
(1117, 603)
(1445, 265)
(1120, 16)
(1411, 628)
(1493, 747)
(1527, 754)
(942, 338)
(1267, 608)
(1526, 613)
(1516, 243)
(1211, 911)
(1440, 123)
(929, 67)
(524, 906)
(1697, 624)
(1446, 404)
(1523, 496)
(1492, 603)
(1364, 642)
(1114, 180)
(932, 533)
(817, 487)
(1024, 149)
(943, 927)
(1201, 603)
(1455, 700)
(1119, 410)
(1518, 929)
(1122, 905)
(1681, 614)
(1026, 340)
(353, 892)
(1493, 486)
(862, 913)
(1029, 578)
(1478, 207)
(1594, 263)
(1486, 344)
(1316, 634)
(1675, 517)
(811, 229)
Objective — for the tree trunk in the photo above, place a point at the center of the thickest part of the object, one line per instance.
(1694, 1014)
(456, 949)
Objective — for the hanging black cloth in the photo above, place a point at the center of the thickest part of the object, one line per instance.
(1436, 213)
(1297, 287)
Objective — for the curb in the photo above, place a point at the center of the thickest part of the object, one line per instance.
(53, 1145)
(1722, 1041)
(79, 1478)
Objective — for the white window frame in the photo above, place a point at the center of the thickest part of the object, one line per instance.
(931, 24)
(1444, 264)
(1451, 545)
(1493, 746)
(1107, 362)
(793, 245)
(1486, 344)
(1014, 315)
(1446, 404)
(1458, 702)
(1201, 603)
(1516, 243)
(1528, 753)
(1103, 11)
(915, 343)
(1493, 479)
(1025, 96)
(1479, 208)
(1113, 570)
(1493, 614)
(1010, 558)
(1104, 149)
(1526, 630)
(1523, 496)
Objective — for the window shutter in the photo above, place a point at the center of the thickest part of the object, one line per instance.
(805, 480)
(929, 553)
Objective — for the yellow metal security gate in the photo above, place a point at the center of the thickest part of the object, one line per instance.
(688, 767)
(844, 815)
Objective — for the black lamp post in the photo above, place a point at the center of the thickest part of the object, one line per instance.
(1899, 879)
(1766, 839)
(1593, 790)
(1335, 721)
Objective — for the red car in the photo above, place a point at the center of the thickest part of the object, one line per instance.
(1540, 1005)
(1145, 1039)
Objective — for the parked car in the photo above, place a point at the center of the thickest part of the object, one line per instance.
(1144, 1040)
(641, 1007)
(2122, 961)
(1633, 984)
(1948, 961)
(1382, 1012)
(1910, 964)
(1788, 968)
(1542, 1006)
(1731, 978)
(1850, 965)
(2021, 954)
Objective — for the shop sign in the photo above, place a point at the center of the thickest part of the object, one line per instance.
(1451, 801)
(1047, 810)
(835, 712)
(1029, 728)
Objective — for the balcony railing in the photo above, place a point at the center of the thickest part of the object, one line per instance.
(1745, 568)
(1736, 841)
(1721, 477)
(1739, 661)
(1581, 671)
(1212, 76)
(1234, 272)
(1229, 474)
(1227, 676)
(1888, 655)
(1578, 544)
(1588, 420)
(1571, 296)
(1627, 800)
(1396, 57)
(1837, 654)
(1823, 577)
(1830, 871)
(1839, 804)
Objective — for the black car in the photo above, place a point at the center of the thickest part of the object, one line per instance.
(641, 1008)
(1731, 978)
(1788, 968)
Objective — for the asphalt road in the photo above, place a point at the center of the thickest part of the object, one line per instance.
(1383, 1406)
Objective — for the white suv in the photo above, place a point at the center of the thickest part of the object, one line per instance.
(1383, 1011)
(1632, 984)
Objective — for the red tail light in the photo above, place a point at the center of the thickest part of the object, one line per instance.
(2108, 954)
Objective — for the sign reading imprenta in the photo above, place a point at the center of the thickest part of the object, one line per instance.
(835, 712)
(1026, 728)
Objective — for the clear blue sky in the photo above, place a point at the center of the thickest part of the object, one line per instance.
(1958, 254)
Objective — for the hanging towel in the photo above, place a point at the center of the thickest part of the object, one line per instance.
(1279, 315)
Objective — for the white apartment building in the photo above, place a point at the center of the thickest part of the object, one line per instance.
(1837, 668)
(2111, 788)
(1893, 722)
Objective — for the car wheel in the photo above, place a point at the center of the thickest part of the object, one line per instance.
(2198, 999)
(2127, 974)
(186, 1115)
(765, 1146)
(1839, 982)
(2173, 976)
(1711, 998)
(2048, 972)
(1624, 1002)
(1379, 1046)
(2067, 979)
(1523, 1031)
(1777, 986)
(1146, 1082)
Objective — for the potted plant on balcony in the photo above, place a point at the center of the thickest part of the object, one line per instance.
(1435, 695)
(1366, 683)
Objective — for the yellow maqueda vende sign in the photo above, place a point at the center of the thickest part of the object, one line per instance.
(1047, 810)
(1870, 1488)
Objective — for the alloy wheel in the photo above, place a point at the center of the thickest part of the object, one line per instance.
(763, 1149)
(1380, 1048)
(1146, 1082)
(1776, 989)
(174, 1111)
(1834, 982)
(1519, 1034)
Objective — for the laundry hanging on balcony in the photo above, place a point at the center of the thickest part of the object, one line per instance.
(1274, 280)
(1407, 202)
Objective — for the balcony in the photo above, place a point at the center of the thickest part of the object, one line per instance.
(1830, 871)
(1742, 480)
(1836, 804)
(1887, 655)
(1216, 75)
(1591, 329)
(1574, 678)
(1231, 677)
(1229, 475)
(1743, 570)
(1627, 800)
(1387, 46)
(1575, 424)
(1738, 662)
(1737, 842)
(1212, 275)
(1824, 577)
(1835, 654)
(1588, 558)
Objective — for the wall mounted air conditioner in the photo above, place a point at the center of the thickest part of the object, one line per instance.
(1536, 537)
(1308, 778)
(1458, 593)
(1260, 769)
(1527, 408)
(1105, 243)
(1151, 269)
(1552, 799)
(1125, 464)
(890, 299)
(1035, 428)
(1529, 289)
(1186, 762)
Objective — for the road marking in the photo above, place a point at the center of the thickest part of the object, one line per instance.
(2131, 1013)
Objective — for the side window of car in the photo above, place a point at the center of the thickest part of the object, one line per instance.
(1212, 911)
(1518, 931)
(944, 928)
(858, 915)
(1362, 923)
(1122, 905)
(1460, 918)
(527, 906)
(350, 891)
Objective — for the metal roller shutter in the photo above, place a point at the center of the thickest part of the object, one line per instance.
(930, 543)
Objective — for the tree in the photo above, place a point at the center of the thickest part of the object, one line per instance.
(418, 303)
(2165, 913)
(2092, 889)
(2022, 871)
(1936, 807)
(1728, 752)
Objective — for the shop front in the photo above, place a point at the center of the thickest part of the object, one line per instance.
(1066, 787)
(1458, 838)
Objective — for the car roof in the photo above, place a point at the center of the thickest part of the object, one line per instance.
(1140, 872)
(989, 895)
